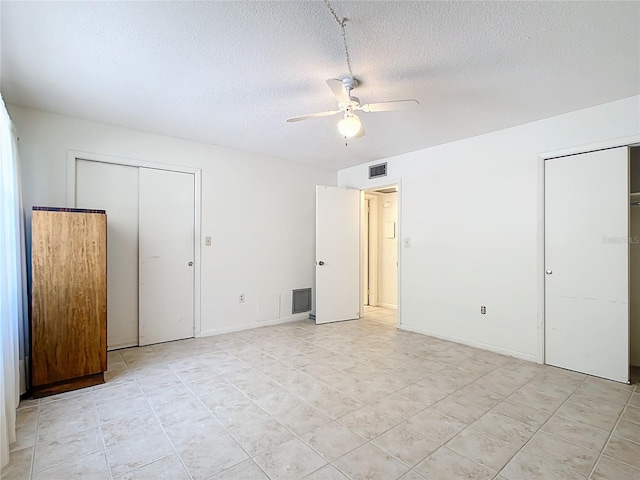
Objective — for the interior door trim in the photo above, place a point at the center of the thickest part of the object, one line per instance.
(74, 155)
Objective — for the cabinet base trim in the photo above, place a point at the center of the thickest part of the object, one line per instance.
(68, 385)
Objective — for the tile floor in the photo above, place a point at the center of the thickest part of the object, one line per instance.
(358, 400)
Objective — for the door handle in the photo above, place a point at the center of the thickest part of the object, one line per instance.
(548, 272)
(190, 264)
(320, 263)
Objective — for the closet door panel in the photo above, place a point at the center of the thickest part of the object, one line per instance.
(114, 188)
(166, 255)
(587, 263)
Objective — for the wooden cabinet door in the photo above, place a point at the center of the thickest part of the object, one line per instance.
(69, 295)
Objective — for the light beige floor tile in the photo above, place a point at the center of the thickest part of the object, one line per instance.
(174, 394)
(117, 392)
(504, 428)
(302, 419)
(483, 449)
(247, 470)
(368, 462)
(208, 456)
(623, 450)
(155, 382)
(64, 449)
(123, 408)
(422, 395)
(635, 399)
(525, 466)
(332, 440)
(526, 414)
(529, 395)
(133, 451)
(458, 410)
(337, 405)
(367, 422)
(610, 469)
(601, 418)
(328, 472)
(478, 395)
(25, 436)
(27, 415)
(632, 414)
(67, 406)
(92, 466)
(572, 456)
(445, 464)
(55, 427)
(435, 426)
(406, 445)
(292, 459)
(575, 432)
(412, 475)
(186, 411)
(193, 430)
(257, 436)
(628, 430)
(19, 466)
(397, 407)
(167, 468)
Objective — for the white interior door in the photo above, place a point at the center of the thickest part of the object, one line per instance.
(114, 188)
(337, 254)
(587, 263)
(166, 246)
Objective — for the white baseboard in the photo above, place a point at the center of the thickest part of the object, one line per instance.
(249, 326)
(484, 346)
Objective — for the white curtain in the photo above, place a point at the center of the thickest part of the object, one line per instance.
(13, 285)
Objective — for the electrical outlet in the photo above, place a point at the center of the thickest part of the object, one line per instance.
(242, 298)
(483, 309)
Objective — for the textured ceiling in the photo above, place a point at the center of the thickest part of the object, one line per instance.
(230, 73)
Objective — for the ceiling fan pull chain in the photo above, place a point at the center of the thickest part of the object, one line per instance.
(341, 22)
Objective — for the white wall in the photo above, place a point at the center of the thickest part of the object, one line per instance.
(471, 209)
(259, 210)
(387, 251)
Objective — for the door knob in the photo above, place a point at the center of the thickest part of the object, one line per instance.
(320, 263)
(548, 272)
(191, 264)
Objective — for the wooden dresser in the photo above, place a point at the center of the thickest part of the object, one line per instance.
(69, 299)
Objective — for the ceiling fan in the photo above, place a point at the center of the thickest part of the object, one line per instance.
(350, 125)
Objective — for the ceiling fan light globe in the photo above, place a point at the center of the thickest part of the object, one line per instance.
(350, 125)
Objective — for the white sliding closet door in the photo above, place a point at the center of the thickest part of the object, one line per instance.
(166, 255)
(114, 188)
(587, 263)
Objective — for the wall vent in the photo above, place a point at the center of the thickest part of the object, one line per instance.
(301, 300)
(379, 170)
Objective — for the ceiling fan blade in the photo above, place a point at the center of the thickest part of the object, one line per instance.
(337, 87)
(313, 115)
(389, 106)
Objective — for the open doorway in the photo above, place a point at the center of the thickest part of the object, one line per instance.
(379, 266)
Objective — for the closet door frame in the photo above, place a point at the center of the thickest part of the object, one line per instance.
(607, 144)
(74, 155)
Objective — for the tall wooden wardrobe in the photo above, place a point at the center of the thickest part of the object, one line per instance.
(69, 299)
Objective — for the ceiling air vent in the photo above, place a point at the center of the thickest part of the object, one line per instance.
(379, 170)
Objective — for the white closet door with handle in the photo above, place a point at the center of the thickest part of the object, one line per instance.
(166, 255)
(337, 254)
(587, 263)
